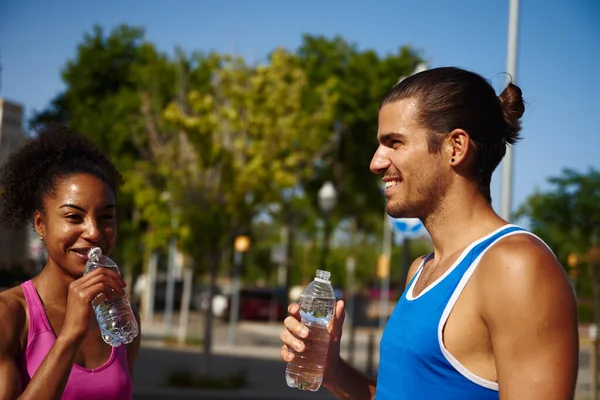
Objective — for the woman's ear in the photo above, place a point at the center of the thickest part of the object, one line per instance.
(39, 224)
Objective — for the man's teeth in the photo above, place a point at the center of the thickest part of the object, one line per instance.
(389, 184)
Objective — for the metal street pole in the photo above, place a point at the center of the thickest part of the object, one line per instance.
(511, 69)
(235, 297)
(384, 298)
(186, 298)
(240, 246)
(170, 292)
(150, 289)
(406, 259)
(350, 271)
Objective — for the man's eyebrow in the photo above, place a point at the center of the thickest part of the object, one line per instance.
(388, 136)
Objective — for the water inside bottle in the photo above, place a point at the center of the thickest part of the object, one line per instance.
(306, 371)
(316, 309)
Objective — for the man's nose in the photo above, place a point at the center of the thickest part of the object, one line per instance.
(380, 161)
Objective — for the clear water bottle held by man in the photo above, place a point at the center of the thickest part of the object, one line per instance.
(317, 304)
(114, 314)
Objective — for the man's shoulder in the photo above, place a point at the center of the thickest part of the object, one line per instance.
(522, 251)
(522, 266)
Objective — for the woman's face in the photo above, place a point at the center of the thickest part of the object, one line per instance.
(79, 214)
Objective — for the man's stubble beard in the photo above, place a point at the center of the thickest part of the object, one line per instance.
(428, 198)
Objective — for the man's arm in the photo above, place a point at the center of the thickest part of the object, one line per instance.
(530, 310)
(345, 381)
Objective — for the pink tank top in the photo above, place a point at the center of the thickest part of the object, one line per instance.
(110, 381)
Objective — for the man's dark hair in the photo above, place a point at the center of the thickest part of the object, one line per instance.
(451, 98)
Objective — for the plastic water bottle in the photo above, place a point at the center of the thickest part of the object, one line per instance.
(317, 304)
(115, 317)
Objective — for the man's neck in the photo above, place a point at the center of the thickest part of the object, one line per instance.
(459, 221)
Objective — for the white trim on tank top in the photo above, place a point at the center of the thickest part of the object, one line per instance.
(450, 305)
(409, 293)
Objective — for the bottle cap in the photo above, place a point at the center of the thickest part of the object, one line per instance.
(324, 275)
(94, 252)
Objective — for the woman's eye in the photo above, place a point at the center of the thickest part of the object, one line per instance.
(74, 217)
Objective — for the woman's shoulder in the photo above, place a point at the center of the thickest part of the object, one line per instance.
(13, 314)
(13, 300)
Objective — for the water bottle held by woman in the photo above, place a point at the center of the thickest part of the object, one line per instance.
(115, 317)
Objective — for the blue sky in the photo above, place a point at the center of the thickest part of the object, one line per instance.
(558, 58)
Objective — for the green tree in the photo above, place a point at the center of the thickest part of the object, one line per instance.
(111, 84)
(362, 77)
(249, 140)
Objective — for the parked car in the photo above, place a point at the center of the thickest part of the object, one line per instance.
(260, 304)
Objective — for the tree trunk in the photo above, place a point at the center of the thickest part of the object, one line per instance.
(215, 257)
(289, 253)
(186, 297)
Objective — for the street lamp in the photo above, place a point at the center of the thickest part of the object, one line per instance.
(327, 198)
(511, 69)
(170, 290)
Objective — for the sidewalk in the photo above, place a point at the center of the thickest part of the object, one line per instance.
(257, 353)
(257, 358)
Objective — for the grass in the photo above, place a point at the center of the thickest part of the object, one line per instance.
(189, 341)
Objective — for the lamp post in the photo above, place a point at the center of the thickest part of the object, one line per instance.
(511, 69)
(241, 245)
(327, 197)
(170, 289)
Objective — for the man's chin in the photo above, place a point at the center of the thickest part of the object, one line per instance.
(395, 211)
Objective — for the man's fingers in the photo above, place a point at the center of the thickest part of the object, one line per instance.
(338, 320)
(292, 341)
(296, 327)
(285, 354)
(340, 310)
(294, 310)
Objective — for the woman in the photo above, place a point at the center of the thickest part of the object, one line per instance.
(50, 343)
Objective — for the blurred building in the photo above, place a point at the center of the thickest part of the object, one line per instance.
(13, 244)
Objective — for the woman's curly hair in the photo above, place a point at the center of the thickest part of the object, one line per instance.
(33, 171)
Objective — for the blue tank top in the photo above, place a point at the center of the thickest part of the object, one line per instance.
(413, 361)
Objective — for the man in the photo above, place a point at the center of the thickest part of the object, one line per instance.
(490, 313)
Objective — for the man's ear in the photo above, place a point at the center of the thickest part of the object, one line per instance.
(457, 147)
